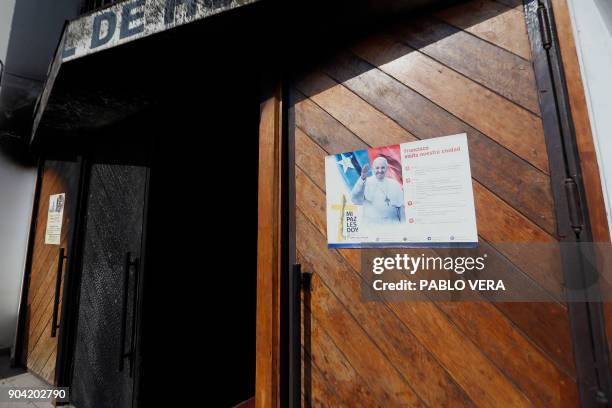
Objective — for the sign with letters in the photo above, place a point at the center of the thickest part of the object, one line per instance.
(414, 194)
(133, 19)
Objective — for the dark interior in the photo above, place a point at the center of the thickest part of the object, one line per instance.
(200, 296)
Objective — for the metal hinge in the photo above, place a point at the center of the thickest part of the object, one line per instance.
(574, 206)
(545, 27)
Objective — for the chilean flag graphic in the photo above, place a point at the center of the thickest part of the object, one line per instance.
(350, 165)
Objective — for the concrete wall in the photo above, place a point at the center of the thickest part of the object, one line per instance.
(6, 16)
(592, 25)
(17, 187)
(16, 195)
(29, 34)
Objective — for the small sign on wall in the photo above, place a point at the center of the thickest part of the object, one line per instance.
(55, 216)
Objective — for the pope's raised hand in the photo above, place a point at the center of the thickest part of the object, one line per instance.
(364, 171)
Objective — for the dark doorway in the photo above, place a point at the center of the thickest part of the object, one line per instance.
(200, 288)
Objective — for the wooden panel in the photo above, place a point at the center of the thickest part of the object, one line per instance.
(340, 324)
(423, 119)
(395, 340)
(504, 122)
(492, 21)
(493, 212)
(426, 321)
(428, 77)
(376, 129)
(267, 376)
(540, 320)
(40, 349)
(322, 357)
(518, 4)
(491, 66)
(504, 344)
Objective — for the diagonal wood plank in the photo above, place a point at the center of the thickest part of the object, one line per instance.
(332, 365)
(480, 379)
(317, 390)
(510, 125)
(491, 66)
(485, 325)
(363, 354)
(395, 340)
(515, 4)
(491, 21)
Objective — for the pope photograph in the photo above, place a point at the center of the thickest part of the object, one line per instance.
(381, 196)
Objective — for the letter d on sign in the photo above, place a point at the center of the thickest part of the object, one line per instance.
(97, 39)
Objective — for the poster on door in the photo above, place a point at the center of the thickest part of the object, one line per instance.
(55, 217)
(416, 194)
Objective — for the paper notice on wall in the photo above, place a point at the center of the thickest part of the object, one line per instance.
(409, 195)
(55, 218)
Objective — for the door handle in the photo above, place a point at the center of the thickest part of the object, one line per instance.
(128, 263)
(58, 285)
(132, 352)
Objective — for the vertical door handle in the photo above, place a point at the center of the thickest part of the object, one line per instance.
(128, 263)
(132, 352)
(58, 285)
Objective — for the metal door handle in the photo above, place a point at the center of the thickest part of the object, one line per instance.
(58, 285)
(126, 283)
(132, 352)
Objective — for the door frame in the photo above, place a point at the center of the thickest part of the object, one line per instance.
(574, 224)
(276, 189)
(272, 234)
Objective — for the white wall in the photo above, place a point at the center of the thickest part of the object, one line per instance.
(592, 25)
(16, 195)
(6, 16)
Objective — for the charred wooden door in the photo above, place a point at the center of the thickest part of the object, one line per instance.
(48, 263)
(466, 68)
(105, 352)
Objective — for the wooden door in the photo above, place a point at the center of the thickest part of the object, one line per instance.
(45, 286)
(105, 353)
(466, 68)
